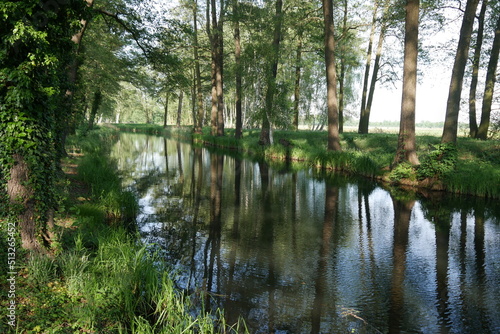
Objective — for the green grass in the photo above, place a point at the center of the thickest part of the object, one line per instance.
(475, 171)
(103, 279)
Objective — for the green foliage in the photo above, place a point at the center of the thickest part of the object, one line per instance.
(105, 280)
(34, 54)
(402, 171)
(438, 163)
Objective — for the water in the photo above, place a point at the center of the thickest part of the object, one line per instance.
(301, 252)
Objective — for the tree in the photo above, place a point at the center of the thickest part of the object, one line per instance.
(454, 95)
(215, 33)
(367, 100)
(475, 70)
(198, 121)
(331, 77)
(363, 120)
(271, 73)
(35, 54)
(406, 150)
(482, 132)
(238, 74)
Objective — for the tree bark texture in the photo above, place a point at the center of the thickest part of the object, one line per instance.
(198, 124)
(331, 77)
(179, 108)
(298, 72)
(406, 150)
(216, 42)
(363, 123)
(457, 76)
(237, 59)
(482, 132)
(265, 134)
(475, 71)
(96, 102)
(165, 111)
(21, 195)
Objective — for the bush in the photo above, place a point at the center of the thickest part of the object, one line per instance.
(439, 163)
(402, 171)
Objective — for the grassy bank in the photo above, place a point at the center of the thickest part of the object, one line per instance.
(101, 278)
(471, 167)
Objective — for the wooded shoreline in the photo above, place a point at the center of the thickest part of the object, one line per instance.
(472, 167)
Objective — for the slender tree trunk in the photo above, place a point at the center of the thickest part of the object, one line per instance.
(220, 77)
(210, 17)
(179, 108)
(265, 134)
(363, 123)
(475, 71)
(453, 105)
(237, 59)
(374, 79)
(406, 150)
(95, 106)
(193, 102)
(482, 132)
(298, 72)
(343, 67)
(165, 111)
(331, 77)
(199, 94)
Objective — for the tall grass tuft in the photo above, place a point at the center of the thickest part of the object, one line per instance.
(113, 280)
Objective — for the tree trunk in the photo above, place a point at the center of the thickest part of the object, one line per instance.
(363, 123)
(179, 108)
(373, 82)
(22, 195)
(406, 150)
(265, 134)
(95, 107)
(237, 59)
(298, 71)
(220, 78)
(342, 73)
(453, 105)
(475, 71)
(198, 125)
(216, 42)
(165, 112)
(482, 132)
(331, 77)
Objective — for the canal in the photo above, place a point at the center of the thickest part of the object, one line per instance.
(303, 251)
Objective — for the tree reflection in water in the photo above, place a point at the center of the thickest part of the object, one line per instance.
(302, 252)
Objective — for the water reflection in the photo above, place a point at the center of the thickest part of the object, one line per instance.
(297, 252)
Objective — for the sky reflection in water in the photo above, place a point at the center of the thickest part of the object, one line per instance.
(297, 252)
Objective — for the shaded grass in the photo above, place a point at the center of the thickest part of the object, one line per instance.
(103, 280)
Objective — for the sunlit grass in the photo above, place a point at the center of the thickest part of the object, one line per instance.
(475, 173)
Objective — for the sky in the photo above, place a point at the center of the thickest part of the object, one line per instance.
(432, 94)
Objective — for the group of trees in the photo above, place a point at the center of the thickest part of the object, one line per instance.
(250, 63)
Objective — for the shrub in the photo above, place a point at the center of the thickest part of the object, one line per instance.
(402, 171)
(439, 162)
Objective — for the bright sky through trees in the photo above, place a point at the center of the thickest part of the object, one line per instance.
(433, 78)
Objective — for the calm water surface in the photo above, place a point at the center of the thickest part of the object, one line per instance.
(299, 252)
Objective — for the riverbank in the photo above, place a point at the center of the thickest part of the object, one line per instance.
(99, 277)
(472, 167)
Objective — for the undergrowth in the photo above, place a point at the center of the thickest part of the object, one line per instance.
(104, 280)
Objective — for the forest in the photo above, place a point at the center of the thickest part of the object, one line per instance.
(274, 72)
